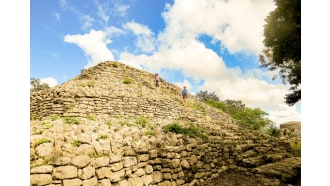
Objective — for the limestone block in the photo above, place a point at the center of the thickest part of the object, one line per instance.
(185, 164)
(116, 166)
(147, 179)
(90, 182)
(72, 182)
(148, 169)
(129, 161)
(86, 172)
(104, 182)
(65, 172)
(81, 161)
(100, 162)
(157, 177)
(117, 176)
(42, 169)
(40, 179)
(135, 181)
(114, 158)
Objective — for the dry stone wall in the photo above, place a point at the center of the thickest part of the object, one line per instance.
(127, 156)
(105, 145)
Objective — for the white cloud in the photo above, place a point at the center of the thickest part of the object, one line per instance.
(145, 41)
(94, 45)
(52, 82)
(238, 24)
(256, 93)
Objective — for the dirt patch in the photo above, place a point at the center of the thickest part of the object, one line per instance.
(236, 178)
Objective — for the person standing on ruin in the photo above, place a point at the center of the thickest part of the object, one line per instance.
(184, 95)
(157, 79)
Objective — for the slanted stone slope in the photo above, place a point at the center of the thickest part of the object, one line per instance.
(105, 127)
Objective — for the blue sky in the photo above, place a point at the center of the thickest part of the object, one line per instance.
(205, 45)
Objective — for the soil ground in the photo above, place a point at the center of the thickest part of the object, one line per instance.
(235, 178)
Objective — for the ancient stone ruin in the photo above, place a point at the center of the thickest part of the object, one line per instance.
(106, 127)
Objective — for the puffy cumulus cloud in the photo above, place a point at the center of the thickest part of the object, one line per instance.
(255, 93)
(222, 20)
(192, 58)
(283, 113)
(145, 41)
(52, 82)
(94, 45)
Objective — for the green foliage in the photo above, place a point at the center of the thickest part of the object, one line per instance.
(115, 64)
(219, 105)
(102, 136)
(248, 117)
(109, 123)
(36, 85)
(296, 147)
(36, 131)
(127, 80)
(90, 117)
(54, 117)
(71, 120)
(131, 124)
(191, 131)
(41, 141)
(88, 84)
(123, 122)
(47, 124)
(150, 133)
(204, 96)
(76, 143)
(198, 107)
(142, 120)
(282, 40)
(273, 130)
(251, 118)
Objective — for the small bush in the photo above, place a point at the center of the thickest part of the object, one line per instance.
(54, 117)
(296, 147)
(47, 124)
(88, 84)
(102, 136)
(191, 131)
(127, 80)
(109, 123)
(115, 64)
(131, 124)
(90, 117)
(142, 120)
(36, 131)
(71, 120)
(150, 133)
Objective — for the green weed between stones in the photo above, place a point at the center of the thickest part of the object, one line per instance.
(41, 141)
(191, 131)
(127, 80)
(76, 143)
(71, 120)
(102, 136)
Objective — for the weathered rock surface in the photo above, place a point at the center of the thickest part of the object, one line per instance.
(97, 130)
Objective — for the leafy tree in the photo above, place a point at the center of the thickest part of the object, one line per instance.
(282, 40)
(251, 118)
(272, 130)
(204, 95)
(36, 85)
